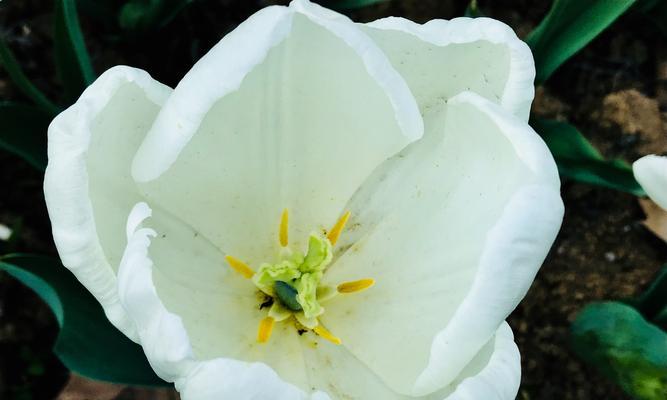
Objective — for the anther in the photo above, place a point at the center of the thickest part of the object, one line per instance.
(337, 229)
(240, 267)
(283, 235)
(325, 334)
(355, 286)
(265, 329)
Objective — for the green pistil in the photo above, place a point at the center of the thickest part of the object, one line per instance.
(287, 295)
(295, 280)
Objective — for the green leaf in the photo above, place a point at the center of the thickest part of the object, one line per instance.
(22, 82)
(577, 158)
(624, 346)
(72, 59)
(87, 343)
(23, 132)
(568, 27)
(142, 15)
(350, 4)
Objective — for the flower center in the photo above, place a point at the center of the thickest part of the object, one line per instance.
(294, 283)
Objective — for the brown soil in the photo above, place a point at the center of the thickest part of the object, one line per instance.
(614, 91)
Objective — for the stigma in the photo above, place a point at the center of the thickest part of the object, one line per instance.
(294, 281)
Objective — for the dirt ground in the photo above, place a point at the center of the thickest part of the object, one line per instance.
(615, 91)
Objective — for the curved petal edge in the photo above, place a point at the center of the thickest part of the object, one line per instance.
(651, 173)
(500, 378)
(514, 250)
(223, 69)
(66, 188)
(165, 341)
(519, 87)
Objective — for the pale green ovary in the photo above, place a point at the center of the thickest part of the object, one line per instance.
(304, 273)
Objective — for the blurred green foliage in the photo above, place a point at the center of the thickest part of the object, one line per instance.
(142, 15)
(578, 159)
(71, 57)
(23, 131)
(624, 346)
(568, 27)
(87, 343)
(15, 72)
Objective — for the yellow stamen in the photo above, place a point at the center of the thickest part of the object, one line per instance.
(240, 267)
(284, 223)
(335, 232)
(265, 329)
(355, 286)
(322, 331)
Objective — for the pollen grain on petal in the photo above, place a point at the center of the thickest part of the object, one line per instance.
(324, 333)
(355, 286)
(240, 267)
(265, 329)
(337, 229)
(283, 235)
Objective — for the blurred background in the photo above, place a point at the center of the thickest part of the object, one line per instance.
(611, 246)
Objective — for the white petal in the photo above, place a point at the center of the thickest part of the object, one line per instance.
(499, 378)
(335, 370)
(443, 58)
(166, 342)
(292, 110)
(453, 231)
(651, 173)
(88, 187)
(493, 374)
(218, 307)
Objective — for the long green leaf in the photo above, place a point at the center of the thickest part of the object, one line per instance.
(577, 158)
(72, 59)
(624, 346)
(568, 27)
(23, 132)
(21, 81)
(87, 343)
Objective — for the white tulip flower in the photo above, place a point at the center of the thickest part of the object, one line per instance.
(337, 210)
(651, 173)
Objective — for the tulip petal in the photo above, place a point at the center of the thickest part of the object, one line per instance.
(493, 374)
(167, 343)
(453, 230)
(651, 173)
(497, 379)
(291, 110)
(88, 186)
(443, 58)
(333, 373)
